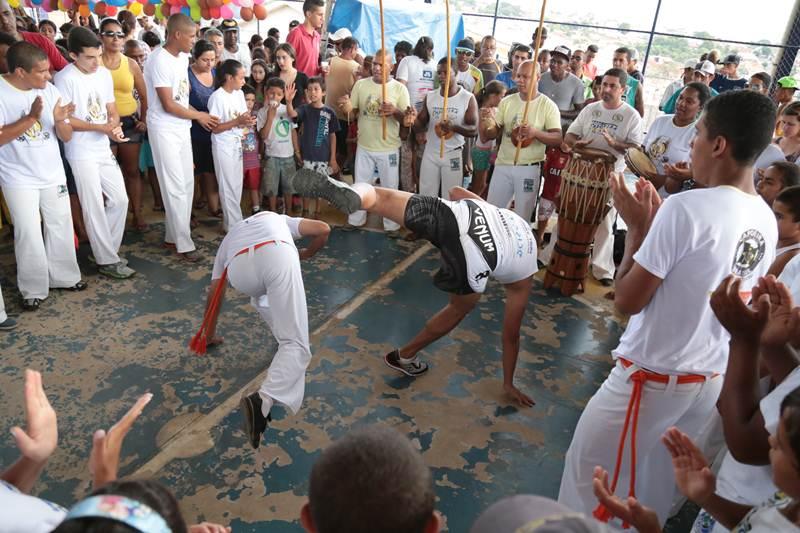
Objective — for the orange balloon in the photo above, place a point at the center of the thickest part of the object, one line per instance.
(246, 13)
(83, 10)
(111, 11)
(260, 12)
(149, 10)
(214, 11)
(100, 9)
(165, 9)
(214, 3)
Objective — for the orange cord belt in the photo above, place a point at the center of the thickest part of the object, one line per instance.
(639, 378)
(199, 342)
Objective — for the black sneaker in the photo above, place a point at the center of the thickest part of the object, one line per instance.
(311, 184)
(413, 368)
(254, 421)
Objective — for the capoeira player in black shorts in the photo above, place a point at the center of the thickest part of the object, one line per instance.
(259, 258)
(477, 240)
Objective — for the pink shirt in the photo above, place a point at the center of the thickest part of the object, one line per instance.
(306, 49)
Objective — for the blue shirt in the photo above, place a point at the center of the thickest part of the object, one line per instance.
(198, 99)
(505, 77)
(318, 123)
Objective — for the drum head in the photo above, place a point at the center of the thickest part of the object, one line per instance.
(639, 162)
(593, 154)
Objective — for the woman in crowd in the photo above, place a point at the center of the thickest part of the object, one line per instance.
(284, 58)
(201, 83)
(128, 79)
(259, 72)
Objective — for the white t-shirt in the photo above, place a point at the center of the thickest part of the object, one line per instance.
(692, 248)
(466, 80)
(418, 76)
(767, 518)
(771, 154)
(623, 123)
(667, 143)
(32, 160)
(261, 227)
(456, 111)
(166, 70)
(496, 242)
(791, 278)
(23, 513)
(242, 55)
(279, 141)
(90, 93)
(227, 106)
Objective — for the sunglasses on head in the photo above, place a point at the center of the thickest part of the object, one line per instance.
(117, 34)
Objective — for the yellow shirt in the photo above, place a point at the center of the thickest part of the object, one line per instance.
(123, 88)
(366, 97)
(543, 114)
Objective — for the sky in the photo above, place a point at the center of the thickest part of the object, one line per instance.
(743, 20)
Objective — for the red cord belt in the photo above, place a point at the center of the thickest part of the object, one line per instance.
(639, 378)
(199, 342)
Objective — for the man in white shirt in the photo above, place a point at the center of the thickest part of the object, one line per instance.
(259, 258)
(104, 202)
(676, 254)
(232, 50)
(169, 118)
(614, 126)
(677, 85)
(32, 176)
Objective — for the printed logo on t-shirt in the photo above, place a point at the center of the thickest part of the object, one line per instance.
(182, 94)
(427, 74)
(35, 135)
(373, 107)
(283, 128)
(658, 148)
(95, 110)
(481, 235)
(749, 253)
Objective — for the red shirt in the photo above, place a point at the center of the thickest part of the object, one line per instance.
(306, 48)
(57, 61)
(590, 70)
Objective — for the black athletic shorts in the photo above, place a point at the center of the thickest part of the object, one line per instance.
(129, 130)
(431, 219)
(201, 154)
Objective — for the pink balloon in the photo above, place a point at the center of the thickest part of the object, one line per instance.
(175, 9)
(67, 4)
(226, 12)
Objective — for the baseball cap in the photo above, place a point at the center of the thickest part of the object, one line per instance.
(634, 54)
(340, 34)
(562, 50)
(787, 82)
(690, 64)
(706, 67)
(465, 45)
(228, 25)
(525, 512)
(731, 58)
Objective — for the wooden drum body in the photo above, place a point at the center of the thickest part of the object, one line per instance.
(585, 196)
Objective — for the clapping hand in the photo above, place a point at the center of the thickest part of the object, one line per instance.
(36, 108)
(693, 477)
(612, 142)
(630, 511)
(637, 209)
(741, 321)
(680, 171)
(783, 319)
(246, 120)
(106, 446)
(39, 439)
(60, 112)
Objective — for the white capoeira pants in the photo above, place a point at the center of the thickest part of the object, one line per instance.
(3, 315)
(596, 439)
(272, 278)
(228, 165)
(44, 241)
(172, 155)
(440, 173)
(105, 219)
(518, 182)
(388, 167)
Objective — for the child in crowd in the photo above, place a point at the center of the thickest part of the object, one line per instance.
(777, 177)
(275, 126)
(366, 67)
(787, 212)
(227, 102)
(597, 85)
(251, 155)
(259, 72)
(488, 99)
(316, 147)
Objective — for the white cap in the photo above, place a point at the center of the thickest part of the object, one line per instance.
(690, 64)
(706, 67)
(339, 35)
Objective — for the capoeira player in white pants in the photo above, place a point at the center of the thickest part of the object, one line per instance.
(169, 118)
(670, 360)
(32, 176)
(439, 171)
(88, 85)
(259, 258)
(477, 241)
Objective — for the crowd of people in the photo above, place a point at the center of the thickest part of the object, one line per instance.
(469, 159)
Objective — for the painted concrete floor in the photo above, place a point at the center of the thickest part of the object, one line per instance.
(100, 349)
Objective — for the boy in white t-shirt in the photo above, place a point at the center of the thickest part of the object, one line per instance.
(104, 202)
(169, 118)
(32, 176)
(676, 253)
(276, 126)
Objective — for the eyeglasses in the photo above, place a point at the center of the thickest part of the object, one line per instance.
(111, 34)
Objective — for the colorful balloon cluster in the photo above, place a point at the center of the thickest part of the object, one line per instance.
(197, 9)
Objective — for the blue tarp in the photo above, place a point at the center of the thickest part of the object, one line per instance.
(403, 21)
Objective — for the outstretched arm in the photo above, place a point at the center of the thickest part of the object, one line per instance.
(318, 231)
(460, 193)
(517, 294)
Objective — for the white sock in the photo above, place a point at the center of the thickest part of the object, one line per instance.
(266, 404)
(409, 360)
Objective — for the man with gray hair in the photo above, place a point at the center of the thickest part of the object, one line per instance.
(633, 66)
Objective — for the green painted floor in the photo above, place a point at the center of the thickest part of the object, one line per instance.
(100, 349)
